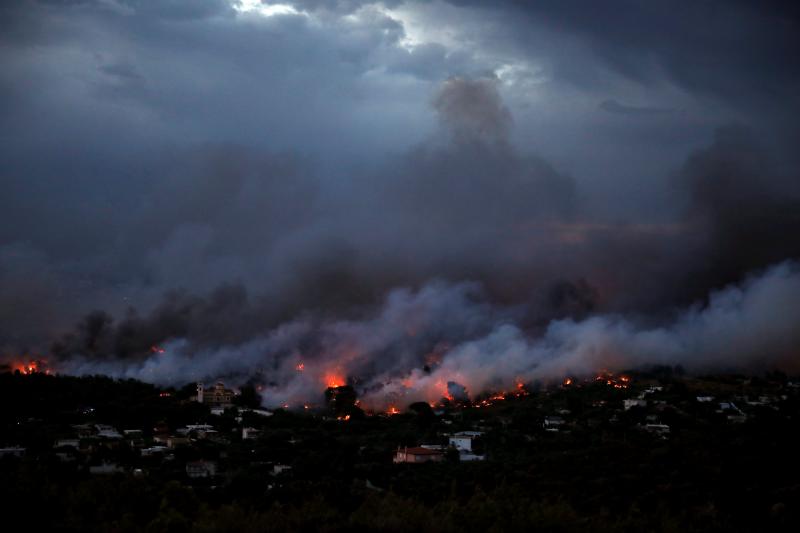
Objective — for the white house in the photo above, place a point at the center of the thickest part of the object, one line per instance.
(553, 423)
(462, 441)
(250, 433)
(634, 402)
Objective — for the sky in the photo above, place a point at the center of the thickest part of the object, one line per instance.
(209, 173)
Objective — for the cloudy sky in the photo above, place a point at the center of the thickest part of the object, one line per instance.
(208, 170)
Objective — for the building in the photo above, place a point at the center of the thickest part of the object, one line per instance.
(13, 451)
(105, 431)
(201, 469)
(417, 455)
(216, 397)
(553, 423)
(177, 442)
(634, 402)
(106, 468)
(657, 429)
(250, 433)
(462, 441)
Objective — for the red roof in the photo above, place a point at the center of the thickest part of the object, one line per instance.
(421, 451)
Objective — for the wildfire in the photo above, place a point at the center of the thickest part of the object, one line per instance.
(32, 367)
(618, 382)
(333, 380)
(156, 349)
(568, 382)
(300, 367)
(393, 411)
(344, 418)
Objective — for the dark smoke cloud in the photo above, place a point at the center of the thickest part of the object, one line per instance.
(402, 189)
(446, 340)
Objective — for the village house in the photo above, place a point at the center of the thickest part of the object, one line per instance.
(633, 402)
(417, 455)
(13, 451)
(105, 431)
(553, 423)
(106, 469)
(177, 442)
(67, 443)
(657, 429)
(201, 469)
(153, 450)
(280, 469)
(462, 441)
(250, 433)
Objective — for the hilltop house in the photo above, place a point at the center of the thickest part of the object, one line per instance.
(417, 455)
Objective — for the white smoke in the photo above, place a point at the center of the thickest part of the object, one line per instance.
(450, 328)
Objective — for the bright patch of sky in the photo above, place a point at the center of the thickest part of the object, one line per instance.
(265, 9)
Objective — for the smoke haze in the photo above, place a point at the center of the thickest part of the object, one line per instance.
(406, 194)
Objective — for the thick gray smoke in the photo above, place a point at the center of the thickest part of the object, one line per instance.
(506, 274)
(446, 339)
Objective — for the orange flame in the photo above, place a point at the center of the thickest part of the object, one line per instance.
(333, 380)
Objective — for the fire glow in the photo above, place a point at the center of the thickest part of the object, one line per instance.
(333, 380)
(31, 367)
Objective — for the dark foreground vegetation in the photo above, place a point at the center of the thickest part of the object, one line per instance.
(716, 453)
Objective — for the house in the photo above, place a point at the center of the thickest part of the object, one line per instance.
(105, 468)
(13, 451)
(176, 442)
(250, 433)
(465, 456)
(633, 402)
(201, 469)
(280, 469)
(553, 423)
(83, 430)
(657, 429)
(462, 441)
(153, 450)
(417, 455)
(105, 431)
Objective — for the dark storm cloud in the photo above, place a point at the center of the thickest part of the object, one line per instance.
(246, 187)
(737, 50)
(612, 106)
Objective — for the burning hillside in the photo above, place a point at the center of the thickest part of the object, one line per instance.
(462, 350)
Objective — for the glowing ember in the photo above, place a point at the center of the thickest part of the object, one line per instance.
(156, 349)
(618, 382)
(300, 367)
